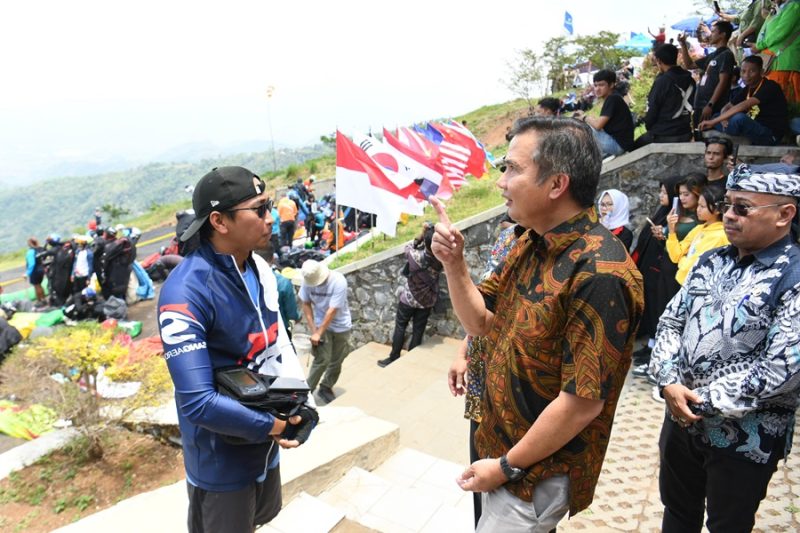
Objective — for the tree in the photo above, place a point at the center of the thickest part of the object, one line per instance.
(557, 59)
(525, 75)
(114, 211)
(600, 49)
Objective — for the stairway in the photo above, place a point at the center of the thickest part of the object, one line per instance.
(410, 492)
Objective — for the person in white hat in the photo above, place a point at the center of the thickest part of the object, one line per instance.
(324, 297)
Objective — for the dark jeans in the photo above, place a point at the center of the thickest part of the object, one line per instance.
(694, 476)
(287, 233)
(405, 313)
(649, 138)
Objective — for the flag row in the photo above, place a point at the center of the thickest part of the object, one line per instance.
(397, 174)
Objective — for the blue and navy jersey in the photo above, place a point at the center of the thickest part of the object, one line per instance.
(208, 320)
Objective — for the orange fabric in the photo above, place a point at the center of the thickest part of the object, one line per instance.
(789, 80)
(287, 209)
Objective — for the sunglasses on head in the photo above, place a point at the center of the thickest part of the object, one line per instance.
(260, 210)
(741, 210)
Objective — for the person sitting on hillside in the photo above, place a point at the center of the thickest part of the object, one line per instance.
(613, 129)
(759, 113)
(615, 214)
(548, 107)
(669, 111)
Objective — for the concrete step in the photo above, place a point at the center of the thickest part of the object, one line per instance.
(346, 437)
(411, 492)
(412, 392)
(307, 514)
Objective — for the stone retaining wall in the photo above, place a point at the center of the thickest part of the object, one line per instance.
(372, 282)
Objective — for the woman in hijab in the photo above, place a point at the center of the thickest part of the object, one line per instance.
(614, 215)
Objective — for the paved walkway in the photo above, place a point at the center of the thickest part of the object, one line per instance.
(627, 496)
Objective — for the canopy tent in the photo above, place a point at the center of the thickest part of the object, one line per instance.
(638, 41)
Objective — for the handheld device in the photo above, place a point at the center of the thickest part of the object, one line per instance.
(716, 6)
(735, 153)
(650, 221)
(676, 203)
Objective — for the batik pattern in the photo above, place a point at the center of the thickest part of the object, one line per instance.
(566, 306)
(732, 334)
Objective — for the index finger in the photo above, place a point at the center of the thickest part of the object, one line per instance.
(439, 207)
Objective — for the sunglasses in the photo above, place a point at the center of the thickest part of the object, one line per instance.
(741, 210)
(260, 210)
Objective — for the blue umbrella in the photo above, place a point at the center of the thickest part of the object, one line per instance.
(689, 25)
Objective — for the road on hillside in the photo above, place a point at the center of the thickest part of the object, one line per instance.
(151, 241)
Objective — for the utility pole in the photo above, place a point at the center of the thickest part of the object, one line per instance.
(270, 91)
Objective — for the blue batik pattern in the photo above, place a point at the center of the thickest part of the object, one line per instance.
(732, 335)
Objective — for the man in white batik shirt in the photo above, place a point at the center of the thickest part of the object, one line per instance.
(727, 361)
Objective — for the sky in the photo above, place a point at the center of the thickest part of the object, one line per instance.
(89, 79)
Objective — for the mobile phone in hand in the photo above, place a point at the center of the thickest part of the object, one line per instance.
(675, 204)
(735, 154)
(716, 7)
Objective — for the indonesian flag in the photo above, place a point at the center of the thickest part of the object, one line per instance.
(361, 183)
(426, 154)
(463, 144)
(398, 167)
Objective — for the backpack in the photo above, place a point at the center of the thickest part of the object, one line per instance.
(424, 282)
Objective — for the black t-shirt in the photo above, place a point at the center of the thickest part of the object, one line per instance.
(771, 110)
(620, 122)
(721, 61)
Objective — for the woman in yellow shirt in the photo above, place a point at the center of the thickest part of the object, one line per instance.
(702, 238)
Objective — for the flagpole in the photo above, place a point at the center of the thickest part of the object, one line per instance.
(356, 229)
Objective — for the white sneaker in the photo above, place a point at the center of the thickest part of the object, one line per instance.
(656, 396)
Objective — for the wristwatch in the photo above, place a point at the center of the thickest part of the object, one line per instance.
(511, 472)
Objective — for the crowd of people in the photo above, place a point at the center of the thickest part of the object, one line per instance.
(740, 83)
(74, 268)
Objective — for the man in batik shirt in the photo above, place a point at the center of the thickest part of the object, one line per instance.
(727, 359)
(560, 314)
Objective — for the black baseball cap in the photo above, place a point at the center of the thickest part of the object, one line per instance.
(220, 190)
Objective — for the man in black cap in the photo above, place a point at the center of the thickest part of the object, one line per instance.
(726, 361)
(219, 308)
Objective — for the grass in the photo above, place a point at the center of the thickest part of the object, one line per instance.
(476, 197)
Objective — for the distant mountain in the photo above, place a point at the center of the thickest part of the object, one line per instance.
(196, 151)
(61, 204)
(36, 167)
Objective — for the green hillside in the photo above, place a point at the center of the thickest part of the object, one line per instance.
(64, 204)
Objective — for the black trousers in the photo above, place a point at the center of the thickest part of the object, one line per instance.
(240, 511)
(473, 456)
(694, 476)
(287, 233)
(405, 314)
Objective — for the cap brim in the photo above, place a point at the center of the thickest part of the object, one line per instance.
(193, 228)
